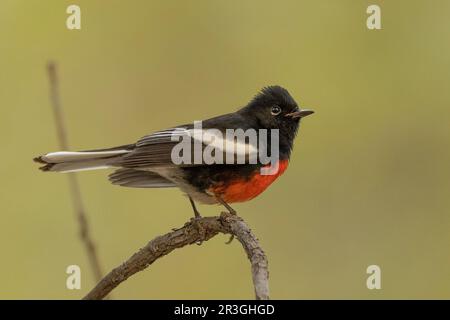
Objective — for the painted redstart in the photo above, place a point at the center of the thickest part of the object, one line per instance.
(149, 163)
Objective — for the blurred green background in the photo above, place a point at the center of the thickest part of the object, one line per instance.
(369, 179)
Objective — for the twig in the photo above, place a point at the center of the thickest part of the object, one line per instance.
(195, 231)
(73, 182)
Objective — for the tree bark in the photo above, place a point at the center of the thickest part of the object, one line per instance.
(194, 231)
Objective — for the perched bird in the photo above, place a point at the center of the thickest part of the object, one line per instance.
(149, 162)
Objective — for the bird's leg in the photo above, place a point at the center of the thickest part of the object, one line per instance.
(196, 219)
(226, 205)
(196, 213)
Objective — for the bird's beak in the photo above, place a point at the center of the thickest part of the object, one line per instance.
(299, 113)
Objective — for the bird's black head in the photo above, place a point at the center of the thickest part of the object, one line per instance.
(274, 108)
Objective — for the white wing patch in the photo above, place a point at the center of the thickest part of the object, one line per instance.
(230, 144)
(209, 137)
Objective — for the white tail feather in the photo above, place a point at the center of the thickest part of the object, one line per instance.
(69, 156)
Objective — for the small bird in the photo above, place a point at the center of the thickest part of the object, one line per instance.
(148, 163)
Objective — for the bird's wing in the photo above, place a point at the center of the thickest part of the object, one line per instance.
(156, 149)
(153, 150)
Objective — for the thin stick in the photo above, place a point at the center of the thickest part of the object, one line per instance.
(77, 200)
(195, 231)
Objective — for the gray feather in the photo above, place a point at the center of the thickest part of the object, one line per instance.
(139, 179)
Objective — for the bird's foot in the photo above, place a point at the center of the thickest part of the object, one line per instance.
(195, 221)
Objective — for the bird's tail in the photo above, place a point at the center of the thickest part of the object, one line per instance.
(68, 161)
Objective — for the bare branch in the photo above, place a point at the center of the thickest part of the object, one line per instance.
(73, 182)
(195, 231)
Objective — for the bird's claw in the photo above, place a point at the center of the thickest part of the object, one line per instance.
(230, 240)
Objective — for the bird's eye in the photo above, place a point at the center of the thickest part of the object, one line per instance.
(276, 110)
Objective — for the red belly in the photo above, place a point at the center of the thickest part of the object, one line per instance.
(247, 189)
